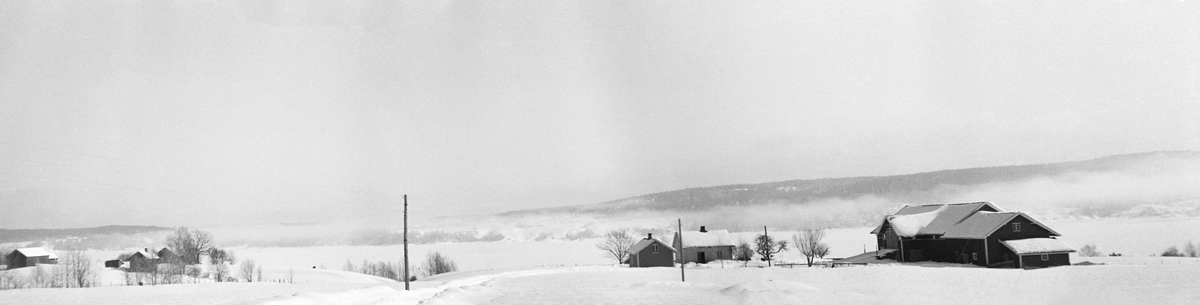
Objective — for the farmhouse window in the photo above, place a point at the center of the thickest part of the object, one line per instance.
(1045, 257)
(974, 256)
(654, 248)
(1016, 227)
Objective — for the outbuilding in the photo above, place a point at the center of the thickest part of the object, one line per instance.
(703, 246)
(29, 257)
(1035, 253)
(651, 252)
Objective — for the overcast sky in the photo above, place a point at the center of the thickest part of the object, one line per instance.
(180, 112)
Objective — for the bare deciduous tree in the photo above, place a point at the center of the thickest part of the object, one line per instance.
(615, 244)
(247, 270)
(810, 245)
(743, 252)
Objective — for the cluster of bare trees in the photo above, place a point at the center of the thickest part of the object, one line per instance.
(1189, 250)
(436, 263)
(188, 244)
(74, 270)
(384, 269)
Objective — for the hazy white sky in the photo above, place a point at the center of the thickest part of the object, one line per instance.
(178, 112)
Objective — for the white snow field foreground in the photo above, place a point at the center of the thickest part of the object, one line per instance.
(1143, 280)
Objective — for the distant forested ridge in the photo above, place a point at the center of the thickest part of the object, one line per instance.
(25, 235)
(915, 188)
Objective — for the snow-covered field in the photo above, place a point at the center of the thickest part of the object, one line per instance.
(573, 272)
(1173, 282)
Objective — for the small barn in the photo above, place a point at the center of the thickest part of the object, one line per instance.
(703, 246)
(651, 252)
(29, 257)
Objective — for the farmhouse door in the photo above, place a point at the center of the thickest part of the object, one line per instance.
(700, 258)
(890, 240)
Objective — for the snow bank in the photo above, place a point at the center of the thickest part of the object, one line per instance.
(464, 295)
(783, 292)
(909, 225)
(370, 295)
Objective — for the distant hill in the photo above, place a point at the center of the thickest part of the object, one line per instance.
(913, 188)
(27, 235)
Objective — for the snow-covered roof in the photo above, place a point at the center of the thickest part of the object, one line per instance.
(712, 238)
(983, 224)
(980, 225)
(912, 224)
(950, 215)
(1037, 246)
(147, 254)
(642, 244)
(35, 252)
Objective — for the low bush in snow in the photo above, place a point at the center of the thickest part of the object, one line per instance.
(436, 263)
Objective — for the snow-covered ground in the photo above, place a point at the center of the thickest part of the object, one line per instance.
(574, 272)
(1138, 281)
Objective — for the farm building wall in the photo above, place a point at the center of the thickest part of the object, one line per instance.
(648, 258)
(18, 260)
(692, 254)
(998, 252)
(1035, 261)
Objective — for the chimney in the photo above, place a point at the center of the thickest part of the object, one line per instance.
(702, 230)
(649, 236)
(146, 249)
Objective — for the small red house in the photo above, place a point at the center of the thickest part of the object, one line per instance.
(651, 252)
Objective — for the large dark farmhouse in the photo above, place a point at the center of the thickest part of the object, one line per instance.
(970, 233)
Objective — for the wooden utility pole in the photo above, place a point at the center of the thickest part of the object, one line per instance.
(405, 242)
(682, 277)
(769, 254)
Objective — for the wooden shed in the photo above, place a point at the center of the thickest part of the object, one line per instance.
(651, 252)
(1035, 253)
(29, 257)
